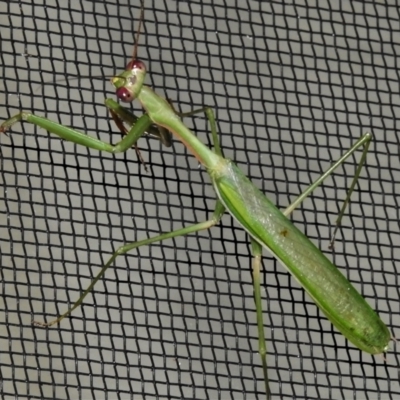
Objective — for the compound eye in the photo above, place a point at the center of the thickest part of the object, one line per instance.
(124, 95)
(135, 64)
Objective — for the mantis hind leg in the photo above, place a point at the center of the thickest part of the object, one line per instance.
(219, 210)
(256, 250)
(364, 142)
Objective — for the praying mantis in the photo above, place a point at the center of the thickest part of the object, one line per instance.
(223, 173)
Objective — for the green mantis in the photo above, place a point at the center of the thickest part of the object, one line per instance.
(247, 205)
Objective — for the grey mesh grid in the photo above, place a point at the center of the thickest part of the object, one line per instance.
(293, 86)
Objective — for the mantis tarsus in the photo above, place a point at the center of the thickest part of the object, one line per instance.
(226, 179)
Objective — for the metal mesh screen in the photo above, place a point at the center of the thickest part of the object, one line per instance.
(293, 86)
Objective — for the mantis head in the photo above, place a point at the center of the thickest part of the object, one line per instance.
(130, 82)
